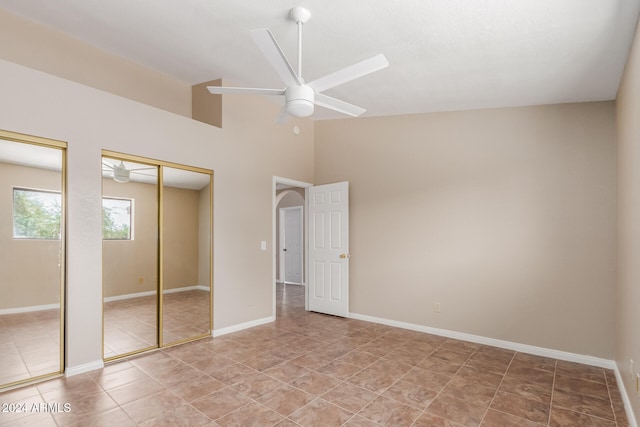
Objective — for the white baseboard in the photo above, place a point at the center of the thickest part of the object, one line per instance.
(523, 348)
(29, 309)
(81, 369)
(129, 296)
(625, 399)
(241, 326)
(186, 288)
(148, 293)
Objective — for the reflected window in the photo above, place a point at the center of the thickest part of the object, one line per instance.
(117, 218)
(36, 214)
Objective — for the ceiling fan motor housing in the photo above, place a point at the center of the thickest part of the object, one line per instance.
(299, 100)
(121, 174)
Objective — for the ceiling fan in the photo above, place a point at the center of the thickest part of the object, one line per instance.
(300, 96)
(120, 173)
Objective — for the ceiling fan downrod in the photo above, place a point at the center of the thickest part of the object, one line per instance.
(300, 16)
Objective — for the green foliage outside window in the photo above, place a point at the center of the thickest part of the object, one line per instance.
(36, 214)
(116, 219)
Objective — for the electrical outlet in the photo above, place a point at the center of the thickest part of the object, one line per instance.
(436, 307)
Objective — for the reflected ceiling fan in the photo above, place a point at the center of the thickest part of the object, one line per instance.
(300, 96)
(120, 173)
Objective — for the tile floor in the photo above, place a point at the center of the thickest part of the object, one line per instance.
(29, 345)
(30, 342)
(130, 324)
(308, 369)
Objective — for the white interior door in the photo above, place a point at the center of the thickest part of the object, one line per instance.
(329, 248)
(292, 243)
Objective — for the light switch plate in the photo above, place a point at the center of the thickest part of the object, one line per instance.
(263, 245)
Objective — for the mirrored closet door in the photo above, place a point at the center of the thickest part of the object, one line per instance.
(157, 272)
(129, 255)
(32, 233)
(186, 260)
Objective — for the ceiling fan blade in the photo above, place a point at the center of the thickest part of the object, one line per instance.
(337, 105)
(349, 73)
(219, 90)
(271, 50)
(283, 116)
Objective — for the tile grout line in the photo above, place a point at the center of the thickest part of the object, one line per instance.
(424, 411)
(553, 389)
(498, 387)
(316, 396)
(613, 409)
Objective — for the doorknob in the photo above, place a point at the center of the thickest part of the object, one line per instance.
(343, 256)
(285, 250)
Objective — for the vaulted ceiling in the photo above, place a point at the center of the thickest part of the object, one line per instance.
(444, 55)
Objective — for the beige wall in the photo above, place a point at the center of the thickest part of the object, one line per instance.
(206, 107)
(628, 295)
(505, 217)
(244, 158)
(181, 218)
(42, 48)
(22, 285)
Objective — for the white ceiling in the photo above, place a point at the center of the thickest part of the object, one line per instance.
(51, 159)
(444, 54)
(30, 155)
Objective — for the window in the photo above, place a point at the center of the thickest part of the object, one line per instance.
(116, 218)
(36, 214)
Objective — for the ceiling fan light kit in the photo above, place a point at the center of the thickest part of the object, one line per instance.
(299, 100)
(300, 97)
(121, 175)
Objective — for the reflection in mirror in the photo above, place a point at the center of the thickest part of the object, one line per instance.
(129, 256)
(31, 234)
(186, 264)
